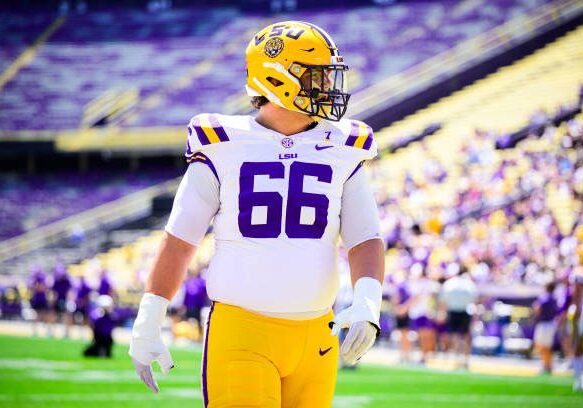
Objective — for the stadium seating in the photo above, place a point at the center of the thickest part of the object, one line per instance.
(507, 194)
(18, 31)
(185, 61)
(28, 202)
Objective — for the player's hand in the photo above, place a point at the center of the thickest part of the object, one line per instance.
(144, 353)
(146, 345)
(361, 319)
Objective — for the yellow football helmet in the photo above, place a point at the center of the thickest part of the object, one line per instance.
(297, 66)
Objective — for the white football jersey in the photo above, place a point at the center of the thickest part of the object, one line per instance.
(279, 216)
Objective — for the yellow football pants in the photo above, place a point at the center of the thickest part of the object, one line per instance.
(251, 360)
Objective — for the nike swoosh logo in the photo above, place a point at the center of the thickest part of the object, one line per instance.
(322, 352)
(322, 147)
(308, 50)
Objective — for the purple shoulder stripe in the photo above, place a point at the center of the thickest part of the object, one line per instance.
(202, 137)
(368, 141)
(218, 129)
(354, 130)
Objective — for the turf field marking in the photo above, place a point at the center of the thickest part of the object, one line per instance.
(384, 379)
(22, 363)
(186, 393)
(350, 401)
(547, 400)
(113, 376)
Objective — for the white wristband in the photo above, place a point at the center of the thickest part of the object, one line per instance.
(150, 317)
(368, 294)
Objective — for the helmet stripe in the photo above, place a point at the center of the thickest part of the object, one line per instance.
(327, 38)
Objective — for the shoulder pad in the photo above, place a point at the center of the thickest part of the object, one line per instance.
(360, 135)
(357, 136)
(203, 130)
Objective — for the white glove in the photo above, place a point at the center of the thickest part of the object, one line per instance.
(361, 319)
(146, 344)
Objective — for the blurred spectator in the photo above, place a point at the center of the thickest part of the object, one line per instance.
(195, 297)
(458, 296)
(564, 296)
(105, 287)
(39, 300)
(102, 323)
(82, 298)
(546, 310)
(61, 288)
(10, 303)
(400, 302)
(441, 328)
(422, 310)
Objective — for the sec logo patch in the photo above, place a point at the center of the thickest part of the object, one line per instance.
(287, 142)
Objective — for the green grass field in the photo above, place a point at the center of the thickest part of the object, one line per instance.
(51, 373)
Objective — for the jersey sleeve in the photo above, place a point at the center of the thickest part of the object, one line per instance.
(195, 204)
(359, 216)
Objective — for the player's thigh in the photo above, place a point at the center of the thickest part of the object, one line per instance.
(313, 382)
(242, 380)
(236, 371)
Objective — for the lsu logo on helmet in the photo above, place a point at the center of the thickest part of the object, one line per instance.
(297, 66)
(273, 47)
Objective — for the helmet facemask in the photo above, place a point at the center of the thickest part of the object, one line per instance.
(323, 90)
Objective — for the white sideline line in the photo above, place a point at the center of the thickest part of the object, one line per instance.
(340, 401)
(33, 363)
(351, 401)
(118, 376)
(372, 378)
(476, 398)
(186, 393)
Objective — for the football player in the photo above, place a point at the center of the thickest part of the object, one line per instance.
(282, 188)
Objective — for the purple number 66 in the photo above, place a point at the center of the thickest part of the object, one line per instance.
(273, 201)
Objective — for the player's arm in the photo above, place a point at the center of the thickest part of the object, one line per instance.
(170, 266)
(195, 204)
(360, 230)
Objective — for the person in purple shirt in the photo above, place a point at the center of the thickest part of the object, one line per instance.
(10, 303)
(105, 287)
(103, 321)
(546, 310)
(564, 297)
(39, 299)
(400, 302)
(61, 288)
(83, 292)
(195, 298)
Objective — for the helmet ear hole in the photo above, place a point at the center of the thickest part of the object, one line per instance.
(274, 81)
